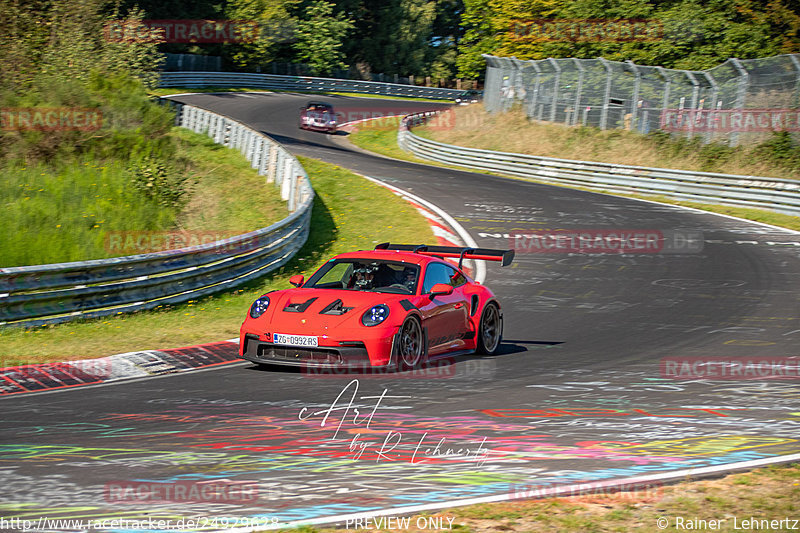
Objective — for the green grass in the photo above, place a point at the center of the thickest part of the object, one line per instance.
(382, 139)
(349, 213)
(227, 195)
(81, 209)
(64, 214)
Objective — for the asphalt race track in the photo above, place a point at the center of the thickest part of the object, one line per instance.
(578, 393)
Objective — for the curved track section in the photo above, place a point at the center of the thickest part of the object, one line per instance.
(577, 394)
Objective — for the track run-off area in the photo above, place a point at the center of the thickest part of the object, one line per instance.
(582, 391)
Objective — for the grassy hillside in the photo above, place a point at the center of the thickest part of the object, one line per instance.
(512, 132)
(350, 213)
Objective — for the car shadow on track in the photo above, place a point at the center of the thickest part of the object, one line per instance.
(443, 365)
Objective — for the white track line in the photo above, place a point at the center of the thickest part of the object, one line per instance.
(679, 475)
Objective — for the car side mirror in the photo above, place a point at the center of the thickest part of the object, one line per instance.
(297, 280)
(441, 289)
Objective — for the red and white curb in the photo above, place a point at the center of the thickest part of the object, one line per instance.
(45, 377)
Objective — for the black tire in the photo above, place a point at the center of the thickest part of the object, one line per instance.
(410, 350)
(490, 330)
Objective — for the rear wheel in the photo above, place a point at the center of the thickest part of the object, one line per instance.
(490, 331)
(410, 344)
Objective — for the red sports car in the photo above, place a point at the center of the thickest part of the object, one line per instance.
(394, 307)
(318, 116)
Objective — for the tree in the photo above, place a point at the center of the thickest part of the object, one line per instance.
(480, 37)
(402, 37)
(686, 34)
(64, 41)
(320, 35)
(277, 31)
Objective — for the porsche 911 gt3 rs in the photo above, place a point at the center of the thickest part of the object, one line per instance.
(395, 307)
(318, 116)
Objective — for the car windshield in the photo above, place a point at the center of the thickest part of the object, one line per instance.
(366, 275)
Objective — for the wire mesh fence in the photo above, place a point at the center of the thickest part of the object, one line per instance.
(739, 101)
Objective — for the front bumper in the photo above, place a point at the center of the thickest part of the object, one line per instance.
(330, 128)
(351, 355)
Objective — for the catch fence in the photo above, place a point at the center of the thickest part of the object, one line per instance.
(739, 101)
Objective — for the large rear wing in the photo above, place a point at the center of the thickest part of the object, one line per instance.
(485, 254)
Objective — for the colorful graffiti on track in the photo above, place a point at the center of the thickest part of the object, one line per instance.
(368, 450)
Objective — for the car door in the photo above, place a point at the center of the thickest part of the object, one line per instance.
(444, 316)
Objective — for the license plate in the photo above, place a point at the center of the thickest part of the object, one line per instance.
(295, 340)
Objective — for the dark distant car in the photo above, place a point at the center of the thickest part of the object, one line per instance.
(469, 97)
(318, 116)
(394, 307)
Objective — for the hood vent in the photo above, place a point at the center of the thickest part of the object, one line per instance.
(335, 308)
(299, 307)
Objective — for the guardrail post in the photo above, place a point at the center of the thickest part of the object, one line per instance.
(292, 186)
(537, 85)
(713, 106)
(635, 97)
(606, 95)
(796, 96)
(217, 130)
(741, 94)
(665, 98)
(272, 171)
(206, 117)
(178, 114)
(258, 152)
(281, 166)
(249, 144)
(556, 82)
(263, 162)
(286, 178)
(298, 193)
(693, 105)
(581, 74)
(226, 137)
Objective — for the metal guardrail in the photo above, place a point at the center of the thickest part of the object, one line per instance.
(42, 294)
(780, 195)
(301, 83)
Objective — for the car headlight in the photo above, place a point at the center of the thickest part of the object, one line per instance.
(259, 307)
(375, 315)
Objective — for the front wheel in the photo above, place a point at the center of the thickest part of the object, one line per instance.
(410, 345)
(490, 330)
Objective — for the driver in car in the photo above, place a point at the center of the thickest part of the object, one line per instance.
(364, 276)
